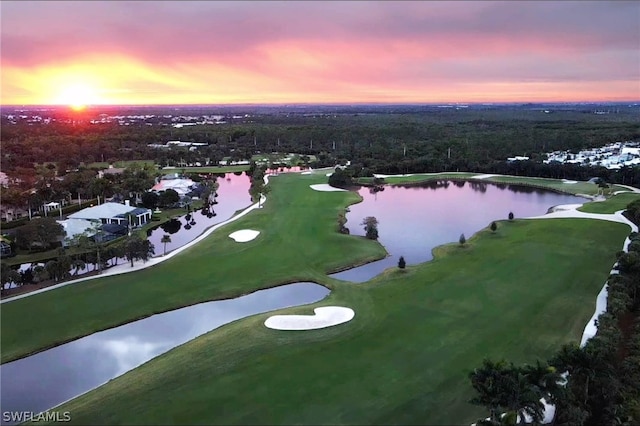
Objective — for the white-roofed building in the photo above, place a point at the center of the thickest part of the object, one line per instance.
(114, 213)
(110, 218)
(73, 227)
(181, 186)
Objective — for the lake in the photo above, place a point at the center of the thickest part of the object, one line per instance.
(233, 195)
(415, 219)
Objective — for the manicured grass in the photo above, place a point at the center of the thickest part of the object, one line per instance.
(556, 184)
(119, 164)
(209, 169)
(424, 177)
(204, 169)
(517, 294)
(297, 223)
(612, 205)
(553, 184)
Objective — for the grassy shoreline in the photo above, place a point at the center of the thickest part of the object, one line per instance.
(611, 205)
(557, 185)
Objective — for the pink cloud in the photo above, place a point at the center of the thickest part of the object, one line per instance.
(330, 46)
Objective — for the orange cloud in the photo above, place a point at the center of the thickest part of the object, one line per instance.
(377, 51)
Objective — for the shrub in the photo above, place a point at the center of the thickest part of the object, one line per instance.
(371, 227)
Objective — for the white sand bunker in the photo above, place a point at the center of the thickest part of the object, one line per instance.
(306, 173)
(244, 235)
(482, 176)
(325, 316)
(569, 181)
(325, 187)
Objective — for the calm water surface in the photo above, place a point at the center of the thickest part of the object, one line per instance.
(233, 195)
(46, 379)
(414, 220)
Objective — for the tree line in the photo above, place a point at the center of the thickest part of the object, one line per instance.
(92, 253)
(473, 140)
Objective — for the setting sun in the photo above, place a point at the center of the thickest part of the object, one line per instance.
(78, 96)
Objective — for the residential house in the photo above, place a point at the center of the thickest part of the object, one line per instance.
(110, 171)
(109, 220)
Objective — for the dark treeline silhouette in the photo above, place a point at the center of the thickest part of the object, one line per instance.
(429, 141)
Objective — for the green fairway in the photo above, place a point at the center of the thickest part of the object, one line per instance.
(203, 169)
(214, 269)
(423, 177)
(404, 359)
(209, 169)
(119, 164)
(556, 184)
(553, 184)
(612, 205)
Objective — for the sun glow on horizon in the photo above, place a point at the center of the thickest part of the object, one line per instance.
(78, 96)
(123, 80)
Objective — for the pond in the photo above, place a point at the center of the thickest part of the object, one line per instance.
(51, 377)
(415, 219)
(233, 195)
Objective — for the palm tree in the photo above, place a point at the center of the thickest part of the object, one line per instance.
(487, 380)
(131, 218)
(547, 379)
(522, 397)
(507, 388)
(166, 238)
(580, 366)
(78, 264)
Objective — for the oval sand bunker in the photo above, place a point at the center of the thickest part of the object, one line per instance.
(325, 316)
(244, 235)
(325, 188)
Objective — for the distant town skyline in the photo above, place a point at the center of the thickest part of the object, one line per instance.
(209, 52)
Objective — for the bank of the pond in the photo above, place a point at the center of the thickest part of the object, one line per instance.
(558, 185)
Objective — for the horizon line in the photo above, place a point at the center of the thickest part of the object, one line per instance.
(363, 103)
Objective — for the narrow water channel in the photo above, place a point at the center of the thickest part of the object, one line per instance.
(54, 376)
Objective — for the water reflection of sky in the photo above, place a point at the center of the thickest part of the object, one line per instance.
(51, 377)
(414, 220)
(233, 195)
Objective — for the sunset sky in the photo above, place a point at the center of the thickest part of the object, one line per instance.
(209, 52)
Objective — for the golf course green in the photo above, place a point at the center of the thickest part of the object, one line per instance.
(519, 294)
(611, 205)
